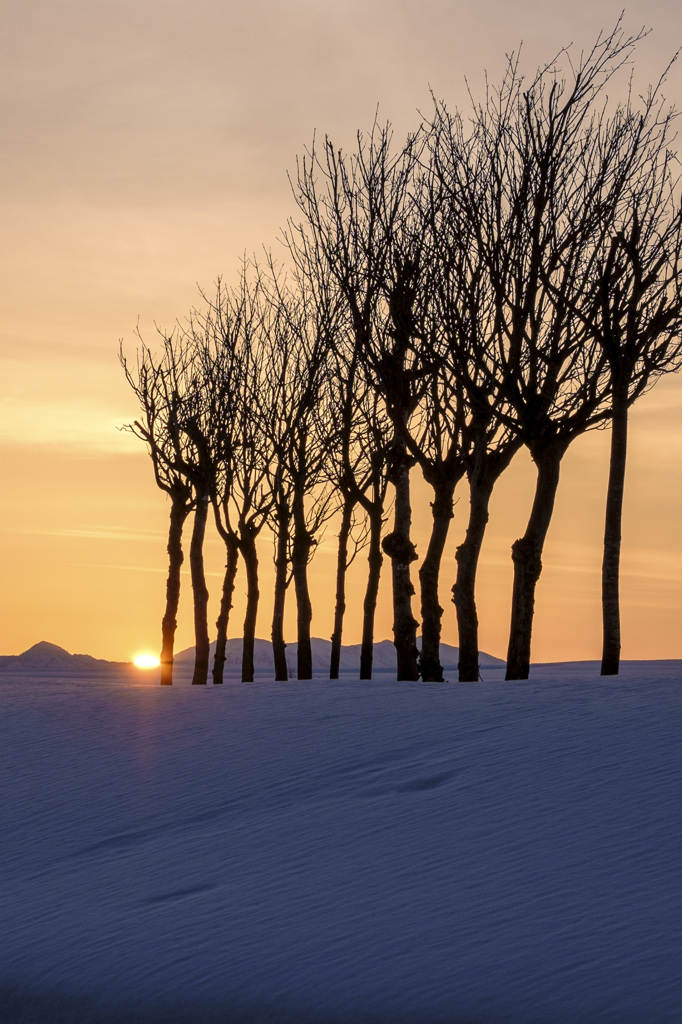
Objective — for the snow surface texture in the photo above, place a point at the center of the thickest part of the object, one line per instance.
(496, 853)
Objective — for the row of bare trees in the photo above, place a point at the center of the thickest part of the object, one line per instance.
(508, 280)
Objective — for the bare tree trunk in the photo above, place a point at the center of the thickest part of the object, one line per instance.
(178, 514)
(250, 557)
(340, 605)
(429, 573)
(225, 609)
(610, 573)
(400, 549)
(464, 590)
(281, 571)
(375, 560)
(300, 557)
(200, 592)
(527, 557)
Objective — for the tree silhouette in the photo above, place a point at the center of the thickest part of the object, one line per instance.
(358, 470)
(508, 280)
(364, 234)
(467, 341)
(155, 382)
(299, 430)
(231, 349)
(634, 308)
(195, 421)
(641, 332)
(555, 177)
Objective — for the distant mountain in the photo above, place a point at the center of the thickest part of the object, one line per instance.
(262, 656)
(45, 657)
(384, 657)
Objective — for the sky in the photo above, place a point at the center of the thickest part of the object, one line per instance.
(144, 149)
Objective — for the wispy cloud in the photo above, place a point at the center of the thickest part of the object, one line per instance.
(135, 568)
(57, 423)
(105, 533)
(124, 568)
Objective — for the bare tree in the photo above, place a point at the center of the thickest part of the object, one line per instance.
(433, 438)
(154, 380)
(634, 306)
(359, 225)
(357, 468)
(231, 350)
(299, 429)
(353, 536)
(612, 270)
(280, 521)
(641, 336)
(555, 177)
(433, 433)
(484, 434)
(195, 422)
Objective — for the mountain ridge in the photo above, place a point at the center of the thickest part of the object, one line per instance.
(384, 656)
(46, 656)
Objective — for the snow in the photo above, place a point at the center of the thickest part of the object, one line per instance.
(384, 657)
(46, 657)
(309, 853)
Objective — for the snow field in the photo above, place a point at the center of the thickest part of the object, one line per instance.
(496, 853)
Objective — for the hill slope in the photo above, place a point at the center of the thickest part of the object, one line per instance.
(497, 853)
(46, 657)
(384, 657)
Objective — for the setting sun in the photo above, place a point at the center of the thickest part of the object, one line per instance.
(146, 661)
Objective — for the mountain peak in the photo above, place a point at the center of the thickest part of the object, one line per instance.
(42, 648)
(47, 657)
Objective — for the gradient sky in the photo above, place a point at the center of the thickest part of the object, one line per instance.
(145, 147)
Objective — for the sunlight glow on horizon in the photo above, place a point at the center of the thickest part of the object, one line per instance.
(146, 661)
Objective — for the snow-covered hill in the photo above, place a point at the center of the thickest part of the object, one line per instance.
(48, 657)
(343, 853)
(384, 657)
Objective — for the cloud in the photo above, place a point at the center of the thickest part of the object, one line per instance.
(108, 533)
(61, 424)
(136, 568)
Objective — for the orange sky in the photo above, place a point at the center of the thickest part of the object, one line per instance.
(145, 148)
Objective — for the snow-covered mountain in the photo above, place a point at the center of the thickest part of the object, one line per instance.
(384, 657)
(47, 657)
(44, 656)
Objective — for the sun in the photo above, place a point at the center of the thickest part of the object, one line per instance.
(146, 661)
